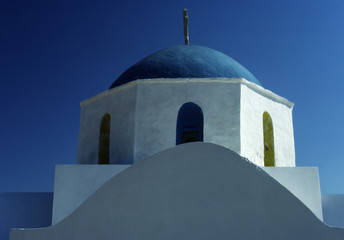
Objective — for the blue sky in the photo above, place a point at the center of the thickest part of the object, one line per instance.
(54, 54)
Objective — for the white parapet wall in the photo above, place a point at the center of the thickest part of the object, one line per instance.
(76, 183)
(195, 190)
(303, 182)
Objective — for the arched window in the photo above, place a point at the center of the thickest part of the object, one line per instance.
(269, 150)
(104, 140)
(189, 124)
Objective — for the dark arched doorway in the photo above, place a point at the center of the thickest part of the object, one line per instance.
(189, 124)
(104, 140)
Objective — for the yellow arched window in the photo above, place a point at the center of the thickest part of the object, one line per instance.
(269, 150)
(104, 140)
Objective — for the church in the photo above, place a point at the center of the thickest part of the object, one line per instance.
(185, 144)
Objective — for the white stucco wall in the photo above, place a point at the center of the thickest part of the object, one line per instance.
(144, 118)
(303, 182)
(120, 104)
(255, 100)
(158, 103)
(76, 183)
(178, 194)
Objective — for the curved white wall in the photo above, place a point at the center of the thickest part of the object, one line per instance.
(177, 194)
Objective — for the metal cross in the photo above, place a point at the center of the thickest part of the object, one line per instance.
(186, 30)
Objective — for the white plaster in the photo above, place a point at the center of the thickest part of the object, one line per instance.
(76, 183)
(144, 116)
(158, 103)
(252, 106)
(120, 104)
(303, 182)
(255, 87)
(196, 190)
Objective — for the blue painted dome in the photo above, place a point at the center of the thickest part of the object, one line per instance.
(185, 61)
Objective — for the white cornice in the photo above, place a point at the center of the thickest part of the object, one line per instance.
(251, 85)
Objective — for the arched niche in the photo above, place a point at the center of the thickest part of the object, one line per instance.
(269, 149)
(104, 140)
(189, 124)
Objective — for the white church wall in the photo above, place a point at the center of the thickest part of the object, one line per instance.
(254, 102)
(303, 182)
(176, 194)
(144, 112)
(120, 104)
(76, 183)
(158, 103)
(122, 124)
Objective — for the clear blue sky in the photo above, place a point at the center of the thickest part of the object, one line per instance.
(54, 54)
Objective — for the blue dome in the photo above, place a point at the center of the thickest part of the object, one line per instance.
(185, 61)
